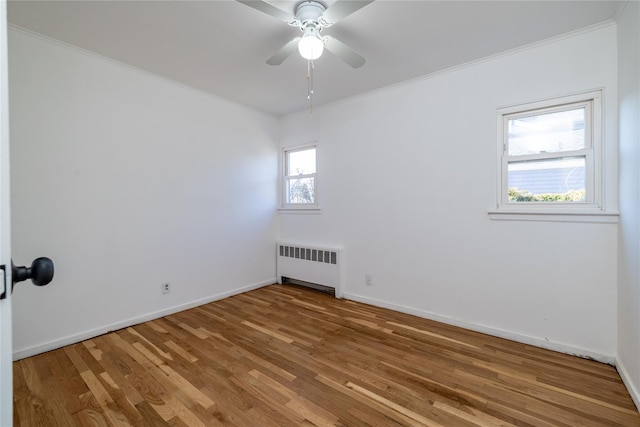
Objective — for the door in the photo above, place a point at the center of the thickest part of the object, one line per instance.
(41, 270)
(6, 356)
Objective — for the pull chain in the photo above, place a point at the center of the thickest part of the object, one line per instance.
(310, 67)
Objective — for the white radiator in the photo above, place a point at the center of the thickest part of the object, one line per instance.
(312, 264)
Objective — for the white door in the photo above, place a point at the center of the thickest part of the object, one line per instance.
(6, 357)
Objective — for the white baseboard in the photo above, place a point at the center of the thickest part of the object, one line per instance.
(85, 335)
(500, 333)
(626, 379)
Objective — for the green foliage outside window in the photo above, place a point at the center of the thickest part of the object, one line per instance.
(516, 195)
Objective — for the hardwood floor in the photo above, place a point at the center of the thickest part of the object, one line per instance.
(287, 356)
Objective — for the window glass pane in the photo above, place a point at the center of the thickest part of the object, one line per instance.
(556, 180)
(547, 133)
(301, 162)
(301, 190)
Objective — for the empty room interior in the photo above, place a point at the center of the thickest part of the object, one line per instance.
(434, 222)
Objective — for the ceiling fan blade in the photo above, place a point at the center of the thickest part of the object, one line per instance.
(343, 52)
(265, 7)
(341, 9)
(284, 52)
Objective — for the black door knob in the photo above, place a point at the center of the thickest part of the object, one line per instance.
(40, 272)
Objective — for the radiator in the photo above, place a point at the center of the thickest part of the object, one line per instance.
(311, 265)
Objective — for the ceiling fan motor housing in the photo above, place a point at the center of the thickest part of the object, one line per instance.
(309, 12)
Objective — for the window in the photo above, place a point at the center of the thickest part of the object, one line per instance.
(299, 178)
(550, 155)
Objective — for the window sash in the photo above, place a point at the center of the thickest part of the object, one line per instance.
(287, 190)
(588, 126)
(287, 159)
(589, 176)
(554, 175)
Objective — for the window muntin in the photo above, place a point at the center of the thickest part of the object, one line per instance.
(299, 178)
(550, 154)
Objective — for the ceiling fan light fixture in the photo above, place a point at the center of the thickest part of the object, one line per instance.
(310, 45)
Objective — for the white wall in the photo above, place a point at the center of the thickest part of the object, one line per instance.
(408, 174)
(628, 357)
(126, 181)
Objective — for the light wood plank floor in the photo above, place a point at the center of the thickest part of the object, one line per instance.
(287, 356)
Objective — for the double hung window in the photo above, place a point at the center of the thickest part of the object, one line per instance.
(550, 154)
(299, 178)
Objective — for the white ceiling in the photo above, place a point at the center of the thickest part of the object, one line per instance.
(221, 46)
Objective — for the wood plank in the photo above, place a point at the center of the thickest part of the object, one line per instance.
(288, 356)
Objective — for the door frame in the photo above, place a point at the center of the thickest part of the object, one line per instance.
(6, 349)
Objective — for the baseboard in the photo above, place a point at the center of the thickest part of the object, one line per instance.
(85, 335)
(626, 379)
(496, 332)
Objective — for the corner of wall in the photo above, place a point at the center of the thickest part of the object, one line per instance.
(626, 379)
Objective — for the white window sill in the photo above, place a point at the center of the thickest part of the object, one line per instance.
(554, 215)
(300, 210)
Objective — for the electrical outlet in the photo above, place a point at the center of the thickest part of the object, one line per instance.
(367, 280)
(165, 288)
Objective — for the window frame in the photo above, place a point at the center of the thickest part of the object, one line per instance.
(592, 152)
(284, 179)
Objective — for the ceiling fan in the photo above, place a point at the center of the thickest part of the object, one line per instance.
(311, 17)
